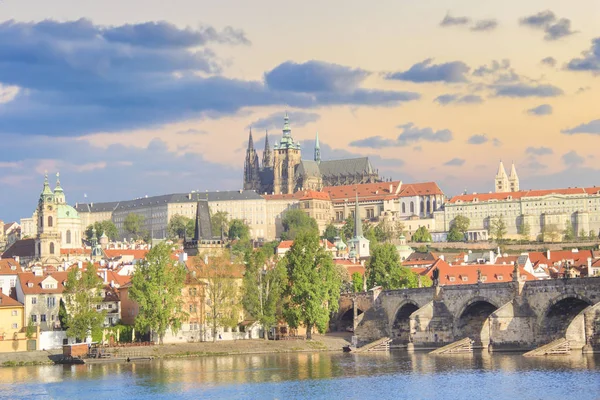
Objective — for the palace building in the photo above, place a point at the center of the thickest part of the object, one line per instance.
(283, 171)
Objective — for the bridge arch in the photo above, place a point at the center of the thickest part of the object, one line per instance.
(346, 319)
(559, 317)
(473, 320)
(400, 324)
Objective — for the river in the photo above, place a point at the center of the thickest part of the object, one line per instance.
(395, 375)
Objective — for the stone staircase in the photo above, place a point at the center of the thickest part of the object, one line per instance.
(461, 346)
(382, 344)
(557, 347)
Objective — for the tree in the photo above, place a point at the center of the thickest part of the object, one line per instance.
(134, 225)
(403, 277)
(220, 223)
(498, 229)
(156, 286)
(461, 223)
(297, 221)
(222, 292)
(331, 232)
(263, 286)
(550, 233)
(180, 226)
(348, 228)
(524, 230)
(357, 282)
(399, 229)
(238, 230)
(454, 235)
(314, 286)
(384, 258)
(384, 232)
(63, 317)
(83, 292)
(421, 235)
(583, 235)
(569, 231)
(107, 226)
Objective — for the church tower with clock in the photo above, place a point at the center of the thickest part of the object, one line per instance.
(48, 238)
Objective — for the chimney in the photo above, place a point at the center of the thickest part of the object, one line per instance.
(442, 257)
(589, 267)
(548, 254)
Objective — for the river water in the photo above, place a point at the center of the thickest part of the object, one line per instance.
(395, 375)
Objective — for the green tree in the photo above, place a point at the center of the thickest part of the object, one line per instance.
(107, 226)
(550, 233)
(296, 221)
(369, 232)
(179, 226)
(384, 258)
(357, 282)
(156, 286)
(421, 235)
(134, 225)
(83, 292)
(348, 229)
(268, 248)
(403, 277)
(569, 231)
(593, 235)
(399, 229)
(454, 235)
(63, 317)
(583, 235)
(331, 232)
(461, 223)
(385, 232)
(222, 292)
(498, 229)
(524, 230)
(263, 286)
(220, 223)
(238, 230)
(314, 286)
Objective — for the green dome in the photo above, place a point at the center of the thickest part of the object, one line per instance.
(66, 211)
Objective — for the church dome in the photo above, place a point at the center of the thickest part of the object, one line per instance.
(66, 211)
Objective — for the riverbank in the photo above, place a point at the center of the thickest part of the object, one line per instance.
(330, 342)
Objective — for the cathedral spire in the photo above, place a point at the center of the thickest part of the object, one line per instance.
(358, 232)
(513, 179)
(267, 152)
(250, 141)
(287, 131)
(501, 181)
(46, 190)
(317, 149)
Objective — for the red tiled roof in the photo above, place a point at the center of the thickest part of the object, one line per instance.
(314, 195)
(6, 266)
(6, 301)
(468, 198)
(291, 196)
(492, 273)
(76, 251)
(366, 191)
(28, 277)
(136, 254)
(420, 189)
(285, 244)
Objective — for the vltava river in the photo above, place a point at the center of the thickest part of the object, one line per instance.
(397, 375)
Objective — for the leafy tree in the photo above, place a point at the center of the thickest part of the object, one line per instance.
(357, 282)
(180, 226)
(421, 235)
(296, 221)
(314, 286)
(222, 292)
(238, 230)
(157, 285)
(454, 235)
(569, 231)
(331, 232)
(550, 233)
(107, 226)
(403, 277)
(30, 330)
(348, 229)
(262, 289)
(461, 223)
(63, 317)
(399, 229)
(83, 292)
(384, 258)
(583, 235)
(268, 248)
(369, 232)
(593, 235)
(498, 229)
(524, 230)
(384, 232)
(220, 223)
(134, 225)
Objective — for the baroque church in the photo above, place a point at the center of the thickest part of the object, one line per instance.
(283, 171)
(506, 183)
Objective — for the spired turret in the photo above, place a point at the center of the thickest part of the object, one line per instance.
(267, 160)
(513, 179)
(59, 194)
(501, 181)
(317, 149)
(251, 166)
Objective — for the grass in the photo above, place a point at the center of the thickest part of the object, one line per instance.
(24, 363)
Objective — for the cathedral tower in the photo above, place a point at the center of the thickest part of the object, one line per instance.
(286, 157)
(502, 184)
(267, 161)
(317, 149)
(47, 241)
(251, 167)
(513, 179)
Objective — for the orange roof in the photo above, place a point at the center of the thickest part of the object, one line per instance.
(76, 251)
(420, 189)
(314, 195)
(7, 265)
(468, 198)
(285, 244)
(32, 284)
(136, 254)
(121, 280)
(6, 301)
(291, 196)
(507, 260)
(366, 191)
(467, 274)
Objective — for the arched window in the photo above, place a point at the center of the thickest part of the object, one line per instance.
(428, 206)
(412, 207)
(68, 237)
(422, 209)
(403, 208)
(51, 247)
(434, 204)
(50, 221)
(41, 222)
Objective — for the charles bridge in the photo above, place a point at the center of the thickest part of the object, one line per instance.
(510, 316)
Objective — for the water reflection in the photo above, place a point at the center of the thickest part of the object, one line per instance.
(315, 375)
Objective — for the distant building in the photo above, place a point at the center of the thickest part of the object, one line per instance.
(506, 183)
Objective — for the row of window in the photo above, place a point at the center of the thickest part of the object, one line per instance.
(42, 318)
(50, 301)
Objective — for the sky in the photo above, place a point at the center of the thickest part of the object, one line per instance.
(127, 98)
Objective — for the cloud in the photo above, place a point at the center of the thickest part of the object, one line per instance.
(485, 25)
(425, 71)
(582, 89)
(539, 151)
(524, 89)
(549, 61)
(548, 22)
(78, 78)
(535, 165)
(544, 109)
(275, 120)
(496, 142)
(478, 139)
(455, 162)
(454, 21)
(418, 148)
(572, 159)
(410, 134)
(192, 131)
(591, 128)
(447, 99)
(499, 71)
(590, 60)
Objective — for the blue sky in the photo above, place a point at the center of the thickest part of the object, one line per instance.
(128, 98)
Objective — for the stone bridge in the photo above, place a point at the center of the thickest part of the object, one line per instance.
(511, 316)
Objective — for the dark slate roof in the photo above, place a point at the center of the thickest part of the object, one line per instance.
(308, 168)
(170, 198)
(348, 166)
(21, 248)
